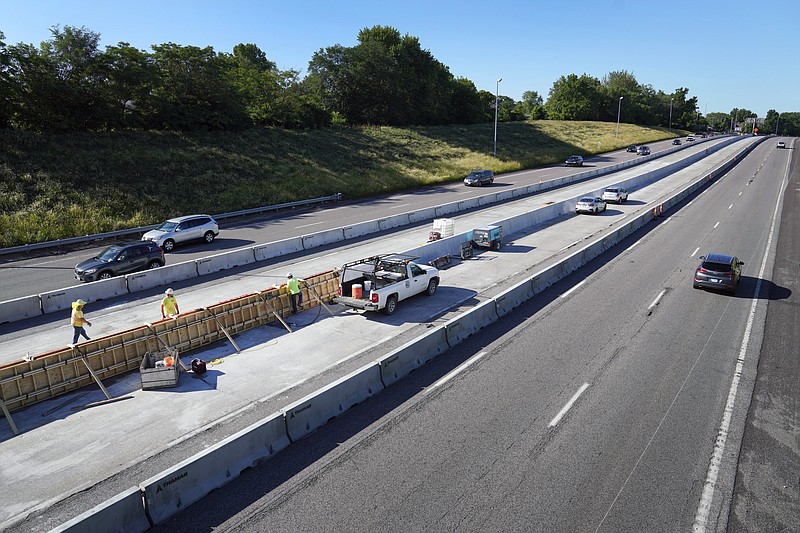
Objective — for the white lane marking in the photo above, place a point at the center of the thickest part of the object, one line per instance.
(658, 298)
(569, 246)
(690, 203)
(632, 245)
(573, 289)
(695, 251)
(453, 373)
(399, 206)
(730, 206)
(715, 225)
(740, 193)
(307, 225)
(701, 517)
(568, 406)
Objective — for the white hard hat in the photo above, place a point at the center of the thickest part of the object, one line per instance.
(289, 275)
(80, 302)
(168, 291)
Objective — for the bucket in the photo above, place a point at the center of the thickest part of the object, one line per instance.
(357, 290)
(367, 286)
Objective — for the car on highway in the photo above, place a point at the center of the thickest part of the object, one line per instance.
(119, 259)
(781, 144)
(676, 142)
(615, 194)
(718, 271)
(574, 161)
(590, 204)
(643, 150)
(479, 178)
(690, 138)
(183, 229)
(631, 148)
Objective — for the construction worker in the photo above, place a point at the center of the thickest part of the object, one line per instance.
(293, 284)
(169, 305)
(78, 321)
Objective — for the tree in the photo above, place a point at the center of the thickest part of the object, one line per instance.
(531, 106)
(130, 76)
(575, 98)
(6, 86)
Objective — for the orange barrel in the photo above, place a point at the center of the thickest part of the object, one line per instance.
(169, 361)
(357, 290)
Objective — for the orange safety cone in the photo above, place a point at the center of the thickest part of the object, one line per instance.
(661, 209)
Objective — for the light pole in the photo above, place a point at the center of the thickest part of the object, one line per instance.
(496, 105)
(619, 110)
(670, 113)
(776, 123)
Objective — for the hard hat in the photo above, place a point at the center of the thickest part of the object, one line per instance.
(80, 302)
(289, 275)
(168, 291)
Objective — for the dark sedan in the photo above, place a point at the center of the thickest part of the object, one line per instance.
(120, 259)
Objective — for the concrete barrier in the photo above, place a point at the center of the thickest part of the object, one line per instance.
(399, 363)
(20, 308)
(470, 322)
(360, 229)
(487, 199)
(265, 251)
(58, 300)
(421, 215)
(314, 411)
(393, 221)
(322, 238)
(513, 297)
(174, 489)
(161, 276)
(224, 261)
(469, 203)
(124, 513)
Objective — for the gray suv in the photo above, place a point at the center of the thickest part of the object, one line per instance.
(120, 259)
(182, 229)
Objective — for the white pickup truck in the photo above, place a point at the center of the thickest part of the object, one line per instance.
(378, 283)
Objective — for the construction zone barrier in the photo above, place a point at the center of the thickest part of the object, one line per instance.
(471, 322)
(399, 363)
(20, 308)
(122, 513)
(61, 299)
(173, 490)
(393, 221)
(224, 261)
(513, 297)
(312, 412)
(361, 229)
(322, 238)
(51, 374)
(161, 276)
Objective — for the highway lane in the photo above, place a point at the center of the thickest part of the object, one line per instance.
(51, 272)
(486, 450)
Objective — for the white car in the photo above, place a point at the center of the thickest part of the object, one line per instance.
(781, 144)
(590, 204)
(615, 194)
(182, 229)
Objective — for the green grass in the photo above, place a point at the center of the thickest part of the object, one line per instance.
(58, 186)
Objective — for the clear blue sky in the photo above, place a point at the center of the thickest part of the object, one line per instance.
(732, 53)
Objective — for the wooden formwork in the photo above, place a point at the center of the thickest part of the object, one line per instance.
(53, 373)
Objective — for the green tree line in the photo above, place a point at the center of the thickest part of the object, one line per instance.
(68, 83)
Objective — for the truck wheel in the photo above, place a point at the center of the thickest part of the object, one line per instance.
(432, 286)
(496, 245)
(391, 305)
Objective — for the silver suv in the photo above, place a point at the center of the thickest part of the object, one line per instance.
(182, 229)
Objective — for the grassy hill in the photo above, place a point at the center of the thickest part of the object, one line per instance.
(63, 185)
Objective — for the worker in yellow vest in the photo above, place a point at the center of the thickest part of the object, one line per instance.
(169, 305)
(78, 321)
(293, 284)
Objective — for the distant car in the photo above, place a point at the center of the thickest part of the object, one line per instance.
(690, 138)
(631, 148)
(120, 259)
(590, 204)
(479, 178)
(574, 161)
(183, 229)
(781, 144)
(676, 142)
(643, 150)
(615, 194)
(718, 271)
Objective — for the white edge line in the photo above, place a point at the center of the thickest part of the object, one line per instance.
(573, 289)
(453, 373)
(695, 251)
(568, 406)
(715, 225)
(655, 302)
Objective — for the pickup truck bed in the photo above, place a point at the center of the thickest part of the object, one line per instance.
(357, 303)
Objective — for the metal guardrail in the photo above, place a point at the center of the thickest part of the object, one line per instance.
(144, 229)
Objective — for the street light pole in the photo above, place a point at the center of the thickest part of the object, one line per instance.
(619, 110)
(776, 123)
(670, 113)
(496, 105)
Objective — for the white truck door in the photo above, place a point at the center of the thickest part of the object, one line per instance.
(419, 280)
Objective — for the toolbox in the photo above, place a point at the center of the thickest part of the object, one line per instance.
(160, 370)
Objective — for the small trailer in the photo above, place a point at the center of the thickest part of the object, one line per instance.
(488, 237)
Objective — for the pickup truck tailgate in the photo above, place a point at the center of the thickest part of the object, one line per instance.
(356, 303)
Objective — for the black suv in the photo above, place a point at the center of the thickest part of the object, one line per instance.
(120, 259)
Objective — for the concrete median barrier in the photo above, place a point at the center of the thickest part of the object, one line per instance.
(124, 513)
(61, 299)
(422, 215)
(446, 209)
(399, 363)
(513, 297)
(393, 221)
(360, 229)
(471, 322)
(312, 412)
(173, 490)
(161, 276)
(469, 203)
(20, 308)
(224, 261)
(322, 238)
(265, 251)
(487, 199)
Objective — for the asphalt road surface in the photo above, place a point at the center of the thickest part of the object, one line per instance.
(599, 406)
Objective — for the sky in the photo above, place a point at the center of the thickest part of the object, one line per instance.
(728, 53)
